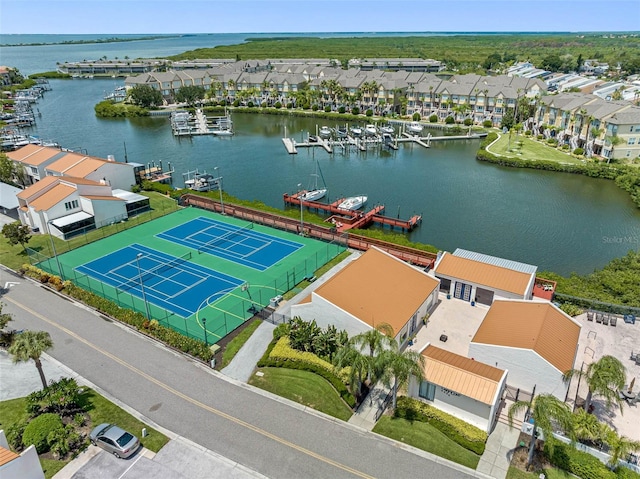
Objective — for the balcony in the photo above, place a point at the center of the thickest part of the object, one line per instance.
(544, 288)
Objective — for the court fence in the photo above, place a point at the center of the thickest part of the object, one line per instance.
(224, 316)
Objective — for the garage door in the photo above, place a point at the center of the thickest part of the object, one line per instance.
(445, 285)
(484, 296)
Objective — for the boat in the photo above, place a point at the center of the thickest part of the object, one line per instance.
(415, 127)
(342, 132)
(314, 193)
(223, 132)
(325, 132)
(370, 130)
(387, 129)
(356, 131)
(353, 203)
(201, 182)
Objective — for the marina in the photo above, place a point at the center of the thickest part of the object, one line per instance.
(183, 123)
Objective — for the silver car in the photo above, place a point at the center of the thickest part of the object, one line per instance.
(114, 440)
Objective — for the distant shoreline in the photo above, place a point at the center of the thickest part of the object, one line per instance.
(81, 42)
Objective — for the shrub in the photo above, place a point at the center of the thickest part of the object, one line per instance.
(39, 429)
(433, 118)
(449, 120)
(565, 147)
(290, 105)
(60, 397)
(527, 133)
(281, 330)
(355, 110)
(468, 436)
(277, 105)
(250, 104)
(576, 462)
(487, 124)
(468, 122)
(14, 435)
(539, 137)
(416, 117)
(236, 103)
(369, 112)
(578, 151)
(342, 109)
(552, 141)
(314, 107)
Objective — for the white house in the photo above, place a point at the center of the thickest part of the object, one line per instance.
(535, 341)
(376, 288)
(70, 205)
(34, 159)
(478, 277)
(467, 389)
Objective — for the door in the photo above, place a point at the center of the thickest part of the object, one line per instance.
(462, 291)
(484, 296)
(427, 390)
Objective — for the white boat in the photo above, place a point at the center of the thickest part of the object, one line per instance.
(314, 193)
(356, 131)
(225, 132)
(325, 132)
(342, 132)
(387, 129)
(415, 127)
(201, 182)
(370, 130)
(353, 203)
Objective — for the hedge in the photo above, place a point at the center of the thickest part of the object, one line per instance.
(463, 433)
(38, 430)
(280, 355)
(576, 462)
(167, 335)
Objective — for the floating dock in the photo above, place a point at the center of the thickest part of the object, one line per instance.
(344, 220)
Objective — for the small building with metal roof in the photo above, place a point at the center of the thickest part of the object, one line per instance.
(481, 278)
(465, 388)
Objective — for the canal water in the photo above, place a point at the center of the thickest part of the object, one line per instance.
(560, 222)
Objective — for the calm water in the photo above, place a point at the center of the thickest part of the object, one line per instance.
(560, 222)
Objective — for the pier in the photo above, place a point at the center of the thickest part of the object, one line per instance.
(184, 123)
(344, 220)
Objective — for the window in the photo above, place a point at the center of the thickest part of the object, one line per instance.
(632, 140)
(70, 205)
(427, 390)
(34, 170)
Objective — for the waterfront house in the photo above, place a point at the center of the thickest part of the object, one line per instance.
(373, 289)
(535, 341)
(481, 278)
(625, 125)
(116, 174)
(34, 159)
(465, 388)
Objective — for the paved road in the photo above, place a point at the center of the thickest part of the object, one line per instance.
(273, 437)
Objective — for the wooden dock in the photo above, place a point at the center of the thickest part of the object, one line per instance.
(344, 220)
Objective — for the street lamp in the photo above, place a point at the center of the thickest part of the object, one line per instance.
(219, 179)
(53, 248)
(300, 198)
(144, 296)
(204, 325)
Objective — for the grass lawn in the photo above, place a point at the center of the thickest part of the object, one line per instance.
(15, 256)
(319, 272)
(236, 343)
(423, 436)
(99, 409)
(305, 388)
(530, 149)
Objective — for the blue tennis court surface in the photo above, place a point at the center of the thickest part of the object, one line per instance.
(241, 245)
(175, 284)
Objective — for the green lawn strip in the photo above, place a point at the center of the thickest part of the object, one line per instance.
(102, 410)
(12, 411)
(423, 436)
(530, 150)
(51, 467)
(303, 387)
(236, 343)
(319, 272)
(550, 473)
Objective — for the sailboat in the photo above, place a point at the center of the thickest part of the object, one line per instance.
(314, 193)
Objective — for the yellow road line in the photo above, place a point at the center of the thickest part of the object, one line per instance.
(195, 402)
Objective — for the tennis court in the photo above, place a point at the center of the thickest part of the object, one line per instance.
(194, 264)
(242, 245)
(173, 283)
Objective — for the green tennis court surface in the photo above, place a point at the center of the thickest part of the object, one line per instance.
(195, 264)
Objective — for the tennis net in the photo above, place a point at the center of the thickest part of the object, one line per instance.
(210, 245)
(155, 271)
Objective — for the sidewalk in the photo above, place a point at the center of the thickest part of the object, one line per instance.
(365, 416)
(498, 451)
(242, 365)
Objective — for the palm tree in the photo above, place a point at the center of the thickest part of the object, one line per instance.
(620, 447)
(356, 363)
(605, 378)
(31, 345)
(614, 140)
(546, 411)
(400, 366)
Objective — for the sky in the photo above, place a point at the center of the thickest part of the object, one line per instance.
(273, 16)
